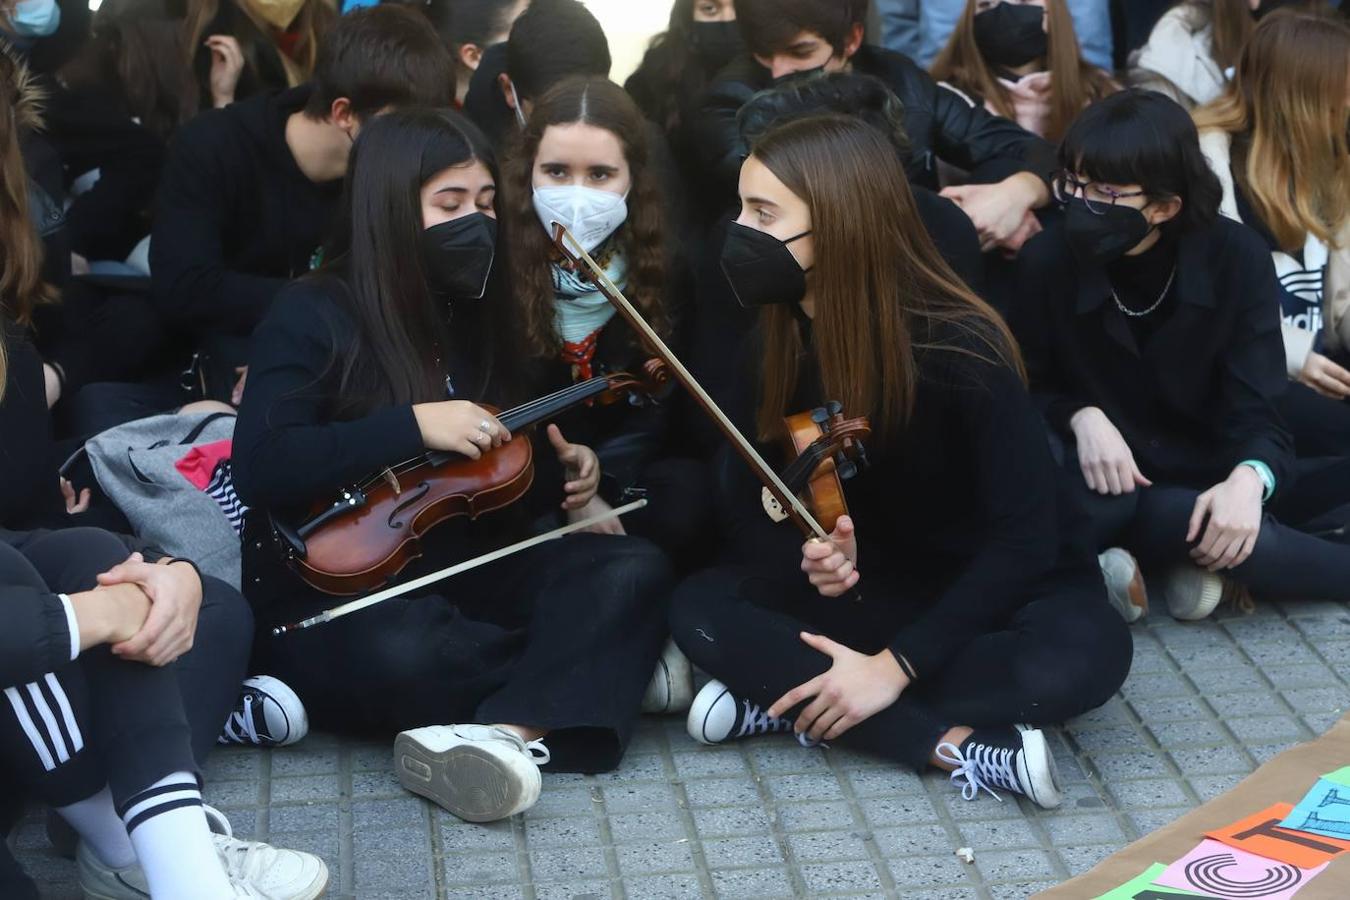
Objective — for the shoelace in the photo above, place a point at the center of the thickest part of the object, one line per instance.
(757, 721)
(239, 726)
(984, 765)
(537, 752)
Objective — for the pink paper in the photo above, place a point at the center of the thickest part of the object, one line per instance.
(1218, 870)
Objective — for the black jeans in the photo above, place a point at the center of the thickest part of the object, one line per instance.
(1063, 653)
(1320, 425)
(137, 723)
(562, 637)
(1306, 562)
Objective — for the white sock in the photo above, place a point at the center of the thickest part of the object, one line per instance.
(95, 819)
(173, 841)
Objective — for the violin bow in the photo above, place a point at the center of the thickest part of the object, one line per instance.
(790, 502)
(347, 609)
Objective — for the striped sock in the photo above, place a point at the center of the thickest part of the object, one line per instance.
(172, 840)
(95, 820)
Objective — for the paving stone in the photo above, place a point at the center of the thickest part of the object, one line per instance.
(793, 788)
(568, 831)
(782, 755)
(485, 892)
(1148, 794)
(710, 761)
(1197, 761)
(304, 817)
(1000, 835)
(655, 856)
(1169, 709)
(459, 836)
(731, 821)
(1010, 865)
(309, 787)
(379, 785)
(578, 800)
(1066, 830)
(467, 869)
(722, 791)
(1080, 859)
(820, 846)
(747, 851)
(914, 840)
(930, 871)
(568, 864)
(1174, 734)
(408, 812)
(621, 797)
(816, 816)
(1266, 729)
(1018, 891)
(574, 890)
(302, 760)
(1207, 787)
(665, 887)
(837, 877)
(1114, 766)
(409, 869)
(751, 884)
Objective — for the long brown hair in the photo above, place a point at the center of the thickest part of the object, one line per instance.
(21, 284)
(1287, 104)
(881, 288)
(602, 103)
(1231, 25)
(315, 19)
(1075, 82)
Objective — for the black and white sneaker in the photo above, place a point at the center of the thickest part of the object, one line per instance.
(268, 714)
(717, 715)
(1016, 759)
(672, 686)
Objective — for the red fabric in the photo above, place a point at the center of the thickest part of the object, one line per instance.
(580, 354)
(201, 461)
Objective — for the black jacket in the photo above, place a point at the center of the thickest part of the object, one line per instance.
(236, 217)
(941, 124)
(1199, 397)
(30, 491)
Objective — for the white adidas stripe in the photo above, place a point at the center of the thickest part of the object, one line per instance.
(30, 728)
(62, 701)
(45, 711)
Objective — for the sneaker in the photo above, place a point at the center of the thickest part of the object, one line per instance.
(268, 714)
(254, 870)
(672, 686)
(717, 715)
(1016, 759)
(1124, 584)
(481, 773)
(1192, 593)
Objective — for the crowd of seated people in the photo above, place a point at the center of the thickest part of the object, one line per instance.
(1076, 274)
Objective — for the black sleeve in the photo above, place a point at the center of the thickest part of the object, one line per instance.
(106, 221)
(1015, 478)
(715, 134)
(954, 234)
(36, 636)
(1254, 365)
(969, 137)
(286, 451)
(1042, 268)
(193, 286)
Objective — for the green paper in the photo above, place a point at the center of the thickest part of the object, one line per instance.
(1340, 776)
(1141, 883)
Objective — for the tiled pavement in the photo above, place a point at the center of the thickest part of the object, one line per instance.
(1205, 703)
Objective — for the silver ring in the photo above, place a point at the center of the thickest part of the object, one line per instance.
(485, 426)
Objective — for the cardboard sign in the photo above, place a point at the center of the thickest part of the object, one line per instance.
(1227, 872)
(1324, 810)
(1261, 834)
(1142, 887)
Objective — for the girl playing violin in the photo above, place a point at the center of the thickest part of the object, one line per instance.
(944, 609)
(377, 358)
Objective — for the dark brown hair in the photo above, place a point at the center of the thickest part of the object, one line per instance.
(881, 288)
(1075, 82)
(770, 25)
(603, 104)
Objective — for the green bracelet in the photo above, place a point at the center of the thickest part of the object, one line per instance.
(1264, 473)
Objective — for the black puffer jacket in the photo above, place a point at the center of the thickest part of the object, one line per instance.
(941, 124)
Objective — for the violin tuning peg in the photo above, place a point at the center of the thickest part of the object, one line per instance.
(835, 407)
(846, 471)
(820, 415)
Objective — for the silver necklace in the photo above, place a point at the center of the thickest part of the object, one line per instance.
(1156, 303)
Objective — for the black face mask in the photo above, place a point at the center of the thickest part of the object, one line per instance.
(761, 269)
(458, 254)
(1100, 239)
(716, 43)
(1011, 34)
(802, 75)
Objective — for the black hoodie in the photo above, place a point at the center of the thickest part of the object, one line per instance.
(236, 218)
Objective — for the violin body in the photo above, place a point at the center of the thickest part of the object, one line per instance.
(826, 450)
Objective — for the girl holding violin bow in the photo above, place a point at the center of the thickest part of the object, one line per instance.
(943, 619)
(385, 355)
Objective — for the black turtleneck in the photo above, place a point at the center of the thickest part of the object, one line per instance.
(1139, 281)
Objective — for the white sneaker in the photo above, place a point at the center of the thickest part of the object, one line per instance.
(1192, 593)
(254, 870)
(267, 714)
(261, 870)
(717, 715)
(672, 686)
(481, 773)
(1124, 584)
(1016, 759)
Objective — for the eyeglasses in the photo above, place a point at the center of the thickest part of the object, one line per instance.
(1097, 197)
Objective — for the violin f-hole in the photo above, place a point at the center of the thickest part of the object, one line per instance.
(420, 492)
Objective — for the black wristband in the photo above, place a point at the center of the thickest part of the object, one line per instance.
(904, 665)
(180, 559)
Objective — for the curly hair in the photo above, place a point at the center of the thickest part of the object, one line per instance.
(603, 104)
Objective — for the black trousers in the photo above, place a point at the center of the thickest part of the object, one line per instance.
(1061, 654)
(561, 637)
(1305, 560)
(1320, 425)
(135, 723)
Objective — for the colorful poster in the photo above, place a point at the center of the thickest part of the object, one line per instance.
(1324, 810)
(1231, 874)
(1340, 776)
(1261, 834)
(1142, 887)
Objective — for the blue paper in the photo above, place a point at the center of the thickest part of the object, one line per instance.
(1324, 810)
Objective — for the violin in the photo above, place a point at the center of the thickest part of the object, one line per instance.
(827, 450)
(373, 530)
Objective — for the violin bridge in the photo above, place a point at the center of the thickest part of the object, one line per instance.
(772, 507)
(392, 479)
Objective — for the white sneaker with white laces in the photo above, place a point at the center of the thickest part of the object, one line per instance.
(481, 773)
(267, 714)
(1192, 593)
(1124, 584)
(1016, 759)
(672, 686)
(271, 872)
(718, 715)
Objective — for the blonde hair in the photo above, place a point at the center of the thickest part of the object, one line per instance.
(1289, 100)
